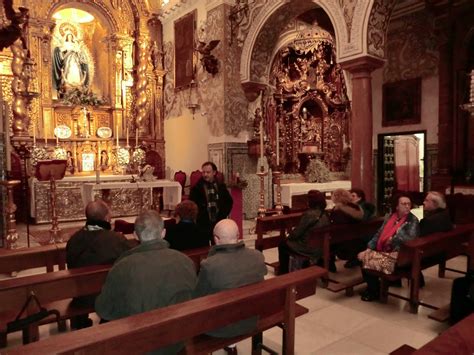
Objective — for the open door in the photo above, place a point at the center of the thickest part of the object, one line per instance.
(401, 166)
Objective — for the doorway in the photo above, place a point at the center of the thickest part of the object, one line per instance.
(401, 166)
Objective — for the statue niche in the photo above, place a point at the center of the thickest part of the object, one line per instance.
(311, 100)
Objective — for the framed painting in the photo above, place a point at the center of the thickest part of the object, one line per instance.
(184, 30)
(401, 103)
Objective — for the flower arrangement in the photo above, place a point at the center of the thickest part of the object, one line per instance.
(317, 171)
(83, 97)
(37, 154)
(60, 153)
(138, 156)
(123, 156)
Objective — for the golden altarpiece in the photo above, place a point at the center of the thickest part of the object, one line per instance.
(84, 83)
(306, 116)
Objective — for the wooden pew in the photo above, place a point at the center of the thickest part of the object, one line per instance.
(422, 253)
(282, 223)
(29, 258)
(324, 238)
(273, 300)
(55, 291)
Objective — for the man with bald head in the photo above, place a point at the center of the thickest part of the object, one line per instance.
(94, 244)
(230, 265)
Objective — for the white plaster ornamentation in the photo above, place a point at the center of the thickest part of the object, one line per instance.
(259, 21)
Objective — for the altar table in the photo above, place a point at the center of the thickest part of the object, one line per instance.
(302, 188)
(129, 198)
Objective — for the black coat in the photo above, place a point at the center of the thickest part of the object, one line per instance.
(186, 235)
(224, 204)
(437, 221)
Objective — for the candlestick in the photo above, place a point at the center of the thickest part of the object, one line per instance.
(116, 134)
(7, 144)
(278, 143)
(261, 141)
(34, 134)
(57, 139)
(136, 137)
(128, 145)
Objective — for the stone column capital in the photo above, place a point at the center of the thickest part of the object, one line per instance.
(362, 65)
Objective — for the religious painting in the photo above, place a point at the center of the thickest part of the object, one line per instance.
(184, 29)
(401, 102)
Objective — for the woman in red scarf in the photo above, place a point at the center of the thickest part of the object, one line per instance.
(382, 250)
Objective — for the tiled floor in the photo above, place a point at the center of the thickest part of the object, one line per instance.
(337, 324)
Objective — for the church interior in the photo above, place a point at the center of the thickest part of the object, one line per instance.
(282, 96)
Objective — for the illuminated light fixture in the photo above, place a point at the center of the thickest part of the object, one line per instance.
(193, 97)
(164, 2)
(76, 15)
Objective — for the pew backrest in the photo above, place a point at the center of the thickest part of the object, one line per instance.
(158, 328)
(28, 258)
(281, 223)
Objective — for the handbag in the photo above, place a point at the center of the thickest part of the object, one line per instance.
(22, 323)
(378, 260)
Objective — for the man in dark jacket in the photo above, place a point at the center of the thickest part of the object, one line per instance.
(230, 265)
(147, 277)
(436, 216)
(95, 244)
(212, 198)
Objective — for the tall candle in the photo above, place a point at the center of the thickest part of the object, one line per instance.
(261, 141)
(57, 139)
(278, 143)
(136, 137)
(116, 134)
(34, 134)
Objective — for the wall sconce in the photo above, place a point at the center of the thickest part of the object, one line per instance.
(193, 97)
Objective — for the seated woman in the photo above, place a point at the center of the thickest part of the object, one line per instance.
(382, 250)
(344, 210)
(314, 217)
(185, 234)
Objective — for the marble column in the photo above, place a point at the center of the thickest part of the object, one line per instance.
(362, 169)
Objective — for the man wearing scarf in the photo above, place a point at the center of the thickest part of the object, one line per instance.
(94, 244)
(212, 198)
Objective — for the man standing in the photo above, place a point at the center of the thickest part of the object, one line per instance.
(229, 265)
(148, 276)
(212, 198)
(95, 244)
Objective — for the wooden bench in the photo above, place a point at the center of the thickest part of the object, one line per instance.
(29, 258)
(324, 238)
(281, 223)
(272, 300)
(54, 290)
(421, 253)
(75, 282)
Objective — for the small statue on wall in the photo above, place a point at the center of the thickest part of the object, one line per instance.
(18, 27)
(208, 61)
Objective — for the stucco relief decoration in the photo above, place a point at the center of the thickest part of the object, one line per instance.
(245, 18)
(173, 102)
(348, 7)
(412, 49)
(377, 28)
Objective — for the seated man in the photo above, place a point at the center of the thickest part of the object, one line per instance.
(95, 244)
(229, 265)
(436, 217)
(148, 276)
(358, 197)
(185, 234)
